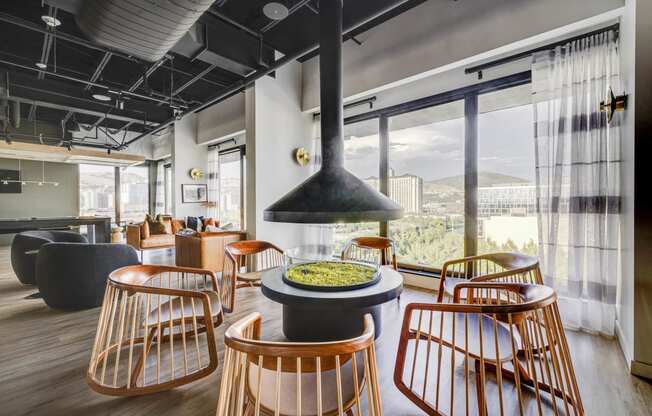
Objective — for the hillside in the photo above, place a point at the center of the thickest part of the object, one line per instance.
(484, 179)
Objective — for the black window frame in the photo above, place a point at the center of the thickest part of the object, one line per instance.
(469, 95)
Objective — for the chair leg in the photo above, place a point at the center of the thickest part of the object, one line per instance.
(479, 387)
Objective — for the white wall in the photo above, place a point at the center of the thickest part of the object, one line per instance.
(625, 310)
(275, 127)
(222, 120)
(41, 201)
(186, 154)
(439, 33)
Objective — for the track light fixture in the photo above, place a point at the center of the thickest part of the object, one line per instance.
(51, 21)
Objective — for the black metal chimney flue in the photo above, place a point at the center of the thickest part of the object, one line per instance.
(330, 83)
(333, 194)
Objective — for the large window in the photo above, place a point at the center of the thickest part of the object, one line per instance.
(460, 163)
(134, 193)
(168, 188)
(361, 157)
(231, 204)
(97, 190)
(507, 219)
(426, 177)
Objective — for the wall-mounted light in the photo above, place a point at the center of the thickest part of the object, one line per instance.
(612, 104)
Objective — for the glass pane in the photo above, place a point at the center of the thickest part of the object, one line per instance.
(507, 219)
(168, 190)
(426, 178)
(230, 188)
(134, 197)
(97, 190)
(362, 158)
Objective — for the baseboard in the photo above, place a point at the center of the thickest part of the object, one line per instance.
(641, 369)
(624, 346)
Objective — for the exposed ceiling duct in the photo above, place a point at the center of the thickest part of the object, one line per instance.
(147, 29)
(333, 194)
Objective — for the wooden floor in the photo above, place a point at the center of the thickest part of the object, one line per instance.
(44, 354)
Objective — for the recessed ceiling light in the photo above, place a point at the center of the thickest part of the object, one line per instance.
(101, 97)
(41, 65)
(275, 11)
(51, 21)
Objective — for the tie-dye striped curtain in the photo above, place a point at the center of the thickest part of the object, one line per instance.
(213, 208)
(578, 178)
(159, 194)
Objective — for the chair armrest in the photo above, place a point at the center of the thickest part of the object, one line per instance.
(133, 236)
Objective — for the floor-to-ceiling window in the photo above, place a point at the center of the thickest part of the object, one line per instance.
(97, 190)
(426, 177)
(168, 188)
(507, 218)
(361, 157)
(460, 163)
(231, 173)
(134, 193)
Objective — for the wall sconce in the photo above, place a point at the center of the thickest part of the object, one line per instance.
(613, 104)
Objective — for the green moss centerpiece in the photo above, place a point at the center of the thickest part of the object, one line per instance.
(331, 275)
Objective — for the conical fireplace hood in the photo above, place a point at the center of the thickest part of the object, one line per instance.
(333, 194)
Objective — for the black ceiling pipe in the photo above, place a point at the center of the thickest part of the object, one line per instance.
(333, 194)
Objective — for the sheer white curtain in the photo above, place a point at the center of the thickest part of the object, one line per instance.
(578, 178)
(213, 206)
(159, 194)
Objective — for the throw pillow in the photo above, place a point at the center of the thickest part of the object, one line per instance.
(144, 230)
(193, 223)
(208, 221)
(156, 226)
(177, 225)
(212, 229)
(226, 227)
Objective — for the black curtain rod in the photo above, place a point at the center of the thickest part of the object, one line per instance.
(218, 144)
(370, 101)
(522, 55)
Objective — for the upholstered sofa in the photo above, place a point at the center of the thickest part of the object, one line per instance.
(205, 250)
(140, 237)
(72, 276)
(25, 246)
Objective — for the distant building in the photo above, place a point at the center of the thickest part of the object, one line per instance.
(405, 190)
(508, 200)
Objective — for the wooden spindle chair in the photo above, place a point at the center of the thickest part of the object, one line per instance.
(155, 330)
(499, 267)
(243, 264)
(376, 250)
(463, 358)
(303, 379)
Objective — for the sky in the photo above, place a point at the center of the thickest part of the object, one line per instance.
(436, 150)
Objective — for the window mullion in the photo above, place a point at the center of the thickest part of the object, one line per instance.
(471, 174)
(383, 173)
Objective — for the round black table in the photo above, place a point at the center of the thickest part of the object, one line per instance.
(328, 316)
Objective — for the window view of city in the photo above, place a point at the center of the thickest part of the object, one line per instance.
(134, 193)
(426, 177)
(230, 206)
(507, 218)
(97, 190)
